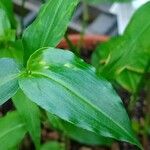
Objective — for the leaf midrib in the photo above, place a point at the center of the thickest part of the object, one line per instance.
(80, 97)
(12, 129)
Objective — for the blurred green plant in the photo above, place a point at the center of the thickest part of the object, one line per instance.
(125, 61)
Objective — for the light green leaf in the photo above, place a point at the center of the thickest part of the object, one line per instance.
(7, 5)
(9, 73)
(29, 111)
(12, 131)
(66, 86)
(79, 134)
(12, 50)
(6, 33)
(125, 58)
(50, 25)
(52, 146)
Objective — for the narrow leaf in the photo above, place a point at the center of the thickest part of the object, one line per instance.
(64, 85)
(29, 111)
(9, 73)
(12, 131)
(50, 25)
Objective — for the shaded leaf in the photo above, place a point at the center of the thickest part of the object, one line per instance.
(12, 131)
(29, 111)
(64, 85)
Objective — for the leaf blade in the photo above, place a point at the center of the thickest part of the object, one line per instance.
(9, 74)
(56, 74)
(31, 115)
(50, 25)
(12, 130)
(78, 134)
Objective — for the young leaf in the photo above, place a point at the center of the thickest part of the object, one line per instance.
(64, 85)
(31, 115)
(79, 134)
(12, 131)
(125, 58)
(9, 73)
(50, 25)
(52, 146)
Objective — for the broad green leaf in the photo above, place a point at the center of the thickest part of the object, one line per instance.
(12, 50)
(6, 33)
(12, 131)
(52, 146)
(50, 25)
(7, 5)
(76, 133)
(9, 73)
(125, 58)
(67, 87)
(29, 111)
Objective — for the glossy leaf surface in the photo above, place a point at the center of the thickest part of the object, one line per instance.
(64, 85)
(9, 72)
(29, 111)
(76, 133)
(125, 58)
(50, 25)
(12, 131)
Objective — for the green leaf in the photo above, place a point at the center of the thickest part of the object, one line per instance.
(13, 50)
(125, 58)
(29, 111)
(76, 133)
(66, 86)
(7, 5)
(12, 131)
(9, 73)
(105, 1)
(50, 25)
(52, 146)
(6, 33)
